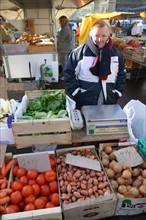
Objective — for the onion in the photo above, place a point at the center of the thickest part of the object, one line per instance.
(117, 167)
(114, 184)
(135, 172)
(136, 183)
(108, 149)
(143, 165)
(105, 162)
(110, 173)
(121, 181)
(134, 192)
(129, 181)
(126, 174)
(122, 189)
(112, 156)
(112, 163)
(142, 190)
(144, 173)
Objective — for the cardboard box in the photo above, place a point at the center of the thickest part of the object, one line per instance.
(126, 205)
(41, 48)
(92, 208)
(41, 214)
(42, 131)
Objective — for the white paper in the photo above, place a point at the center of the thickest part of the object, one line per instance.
(128, 156)
(38, 161)
(83, 162)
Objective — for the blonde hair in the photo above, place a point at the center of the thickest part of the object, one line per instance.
(100, 24)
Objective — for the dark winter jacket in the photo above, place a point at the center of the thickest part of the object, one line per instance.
(84, 87)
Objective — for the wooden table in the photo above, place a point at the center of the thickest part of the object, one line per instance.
(141, 64)
(79, 136)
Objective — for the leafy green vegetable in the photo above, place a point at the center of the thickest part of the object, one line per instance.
(50, 104)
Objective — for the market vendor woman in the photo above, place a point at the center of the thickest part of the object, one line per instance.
(95, 71)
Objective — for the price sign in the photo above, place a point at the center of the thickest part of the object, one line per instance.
(3, 148)
(128, 156)
(38, 161)
(83, 162)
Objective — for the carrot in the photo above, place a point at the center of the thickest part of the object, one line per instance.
(3, 169)
(1, 181)
(7, 190)
(2, 209)
(4, 200)
(4, 184)
(9, 165)
(3, 194)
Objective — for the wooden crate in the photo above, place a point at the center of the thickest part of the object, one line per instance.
(94, 208)
(126, 206)
(41, 48)
(41, 132)
(41, 214)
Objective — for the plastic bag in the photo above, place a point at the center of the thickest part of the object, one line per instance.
(136, 120)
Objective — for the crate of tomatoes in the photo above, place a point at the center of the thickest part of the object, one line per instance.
(33, 188)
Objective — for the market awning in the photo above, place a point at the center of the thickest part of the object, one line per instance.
(88, 21)
(29, 4)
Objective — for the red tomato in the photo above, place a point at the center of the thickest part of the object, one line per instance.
(21, 172)
(16, 167)
(36, 189)
(16, 197)
(29, 199)
(45, 190)
(45, 198)
(32, 174)
(16, 185)
(41, 179)
(50, 175)
(39, 203)
(11, 209)
(52, 163)
(27, 190)
(49, 205)
(24, 180)
(29, 207)
(31, 182)
(55, 199)
(53, 186)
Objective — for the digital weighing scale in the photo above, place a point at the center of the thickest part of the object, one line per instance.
(106, 119)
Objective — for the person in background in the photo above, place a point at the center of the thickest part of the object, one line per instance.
(95, 73)
(134, 30)
(4, 36)
(140, 28)
(64, 41)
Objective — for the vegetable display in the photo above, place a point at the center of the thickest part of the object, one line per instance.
(78, 184)
(126, 181)
(30, 190)
(49, 105)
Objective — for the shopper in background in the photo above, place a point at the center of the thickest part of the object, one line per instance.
(134, 30)
(4, 35)
(140, 28)
(95, 72)
(64, 41)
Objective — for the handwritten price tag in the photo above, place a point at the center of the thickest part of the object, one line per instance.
(84, 162)
(128, 156)
(38, 161)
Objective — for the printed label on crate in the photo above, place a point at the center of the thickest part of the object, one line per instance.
(129, 206)
(38, 161)
(84, 162)
(128, 156)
